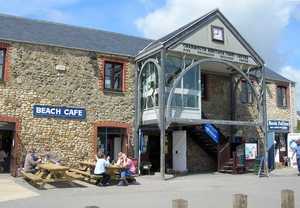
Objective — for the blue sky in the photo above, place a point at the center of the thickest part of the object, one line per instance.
(272, 27)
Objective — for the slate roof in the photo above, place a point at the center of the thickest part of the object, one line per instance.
(42, 32)
(272, 75)
(13, 28)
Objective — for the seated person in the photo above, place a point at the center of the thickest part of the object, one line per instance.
(129, 169)
(50, 156)
(120, 159)
(31, 161)
(3, 156)
(100, 169)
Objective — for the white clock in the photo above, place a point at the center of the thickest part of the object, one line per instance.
(217, 33)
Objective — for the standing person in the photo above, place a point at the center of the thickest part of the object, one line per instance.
(100, 169)
(31, 161)
(129, 169)
(3, 156)
(297, 151)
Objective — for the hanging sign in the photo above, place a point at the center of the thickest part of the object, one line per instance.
(278, 125)
(212, 132)
(59, 112)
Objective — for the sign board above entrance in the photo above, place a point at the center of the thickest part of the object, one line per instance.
(278, 125)
(59, 112)
(214, 53)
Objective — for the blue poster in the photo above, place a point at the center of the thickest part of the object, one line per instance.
(59, 112)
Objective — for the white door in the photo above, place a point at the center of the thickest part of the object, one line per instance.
(117, 147)
(179, 151)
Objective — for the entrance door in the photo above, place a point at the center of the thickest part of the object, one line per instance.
(7, 153)
(179, 151)
(117, 147)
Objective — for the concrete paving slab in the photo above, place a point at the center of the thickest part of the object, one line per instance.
(10, 190)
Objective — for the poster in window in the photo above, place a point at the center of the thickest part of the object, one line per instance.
(250, 151)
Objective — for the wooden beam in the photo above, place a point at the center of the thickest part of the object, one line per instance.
(220, 122)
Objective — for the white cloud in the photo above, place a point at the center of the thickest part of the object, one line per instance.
(260, 22)
(45, 9)
(293, 74)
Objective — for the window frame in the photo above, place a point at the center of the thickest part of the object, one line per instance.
(113, 63)
(2, 78)
(204, 93)
(282, 105)
(250, 96)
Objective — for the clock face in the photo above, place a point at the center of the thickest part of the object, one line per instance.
(217, 33)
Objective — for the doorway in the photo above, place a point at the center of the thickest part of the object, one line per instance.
(179, 151)
(6, 146)
(110, 141)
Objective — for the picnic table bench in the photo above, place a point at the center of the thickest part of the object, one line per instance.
(87, 168)
(48, 173)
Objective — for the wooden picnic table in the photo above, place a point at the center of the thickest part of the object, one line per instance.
(112, 170)
(50, 172)
(47, 173)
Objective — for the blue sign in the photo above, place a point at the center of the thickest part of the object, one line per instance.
(212, 132)
(278, 125)
(59, 112)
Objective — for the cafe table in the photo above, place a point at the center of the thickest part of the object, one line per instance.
(50, 172)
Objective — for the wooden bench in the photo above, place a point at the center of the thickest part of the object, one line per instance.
(74, 175)
(85, 173)
(31, 177)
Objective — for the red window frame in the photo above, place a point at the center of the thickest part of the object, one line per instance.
(113, 63)
(3, 64)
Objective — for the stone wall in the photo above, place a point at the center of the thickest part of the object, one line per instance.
(197, 159)
(33, 79)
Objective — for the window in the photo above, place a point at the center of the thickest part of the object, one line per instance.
(203, 87)
(2, 61)
(246, 93)
(113, 73)
(187, 93)
(281, 96)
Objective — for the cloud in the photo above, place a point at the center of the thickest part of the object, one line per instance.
(46, 9)
(293, 74)
(260, 22)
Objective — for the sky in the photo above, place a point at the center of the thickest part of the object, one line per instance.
(272, 27)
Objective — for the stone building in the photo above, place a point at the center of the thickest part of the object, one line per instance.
(75, 89)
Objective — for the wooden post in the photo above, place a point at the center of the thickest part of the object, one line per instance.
(287, 199)
(179, 203)
(239, 201)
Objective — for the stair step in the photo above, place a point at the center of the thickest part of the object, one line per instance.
(228, 167)
(226, 171)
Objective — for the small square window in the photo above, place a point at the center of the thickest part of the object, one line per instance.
(113, 76)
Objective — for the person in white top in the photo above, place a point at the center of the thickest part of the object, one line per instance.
(100, 169)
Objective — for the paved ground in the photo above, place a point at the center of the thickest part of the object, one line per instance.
(201, 190)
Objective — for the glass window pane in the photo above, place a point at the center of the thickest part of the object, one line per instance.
(107, 82)
(191, 79)
(190, 101)
(1, 71)
(244, 92)
(1, 57)
(108, 69)
(149, 102)
(177, 100)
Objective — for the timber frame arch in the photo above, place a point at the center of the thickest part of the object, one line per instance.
(258, 95)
